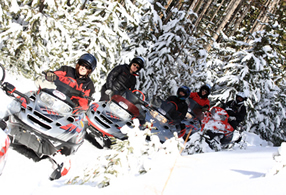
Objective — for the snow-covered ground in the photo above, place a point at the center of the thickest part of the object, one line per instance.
(237, 171)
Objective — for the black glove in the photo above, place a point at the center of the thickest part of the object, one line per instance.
(50, 76)
(205, 108)
(3, 124)
(9, 88)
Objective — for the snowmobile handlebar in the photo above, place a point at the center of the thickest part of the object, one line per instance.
(11, 89)
(142, 102)
(71, 91)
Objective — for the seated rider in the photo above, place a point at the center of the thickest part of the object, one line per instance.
(236, 109)
(201, 97)
(183, 92)
(122, 77)
(77, 78)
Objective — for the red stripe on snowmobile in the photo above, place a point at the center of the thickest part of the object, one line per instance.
(71, 127)
(5, 147)
(96, 127)
(23, 101)
(94, 106)
(131, 107)
(66, 169)
(175, 104)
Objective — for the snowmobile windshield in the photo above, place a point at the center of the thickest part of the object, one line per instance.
(169, 110)
(131, 97)
(195, 109)
(42, 83)
(57, 89)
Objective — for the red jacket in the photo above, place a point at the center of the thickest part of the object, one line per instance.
(201, 101)
(68, 76)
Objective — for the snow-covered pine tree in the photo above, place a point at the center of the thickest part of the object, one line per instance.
(257, 70)
(173, 51)
(32, 41)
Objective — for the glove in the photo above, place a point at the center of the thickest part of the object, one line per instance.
(108, 92)
(9, 88)
(232, 118)
(3, 124)
(50, 76)
(205, 108)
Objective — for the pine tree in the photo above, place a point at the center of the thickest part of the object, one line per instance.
(257, 70)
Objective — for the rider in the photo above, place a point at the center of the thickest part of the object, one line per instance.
(183, 92)
(236, 109)
(201, 97)
(77, 78)
(122, 77)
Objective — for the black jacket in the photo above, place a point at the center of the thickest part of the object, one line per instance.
(118, 79)
(182, 106)
(236, 110)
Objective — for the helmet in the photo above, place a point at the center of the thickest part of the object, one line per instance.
(138, 60)
(186, 91)
(205, 87)
(88, 59)
(242, 95)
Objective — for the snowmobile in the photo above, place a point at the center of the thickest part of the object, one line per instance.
(164, 119)
(46, 121)
(215, 132)
(4, 145)
(106, 118)
(4, 138)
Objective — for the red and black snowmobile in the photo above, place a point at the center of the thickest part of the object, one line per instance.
(215, 132)
(106, 118)
(4, 138)
(46, 121)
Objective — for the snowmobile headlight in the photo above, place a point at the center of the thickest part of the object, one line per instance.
(189, 116)
(158, 116)
(55, 104)
(119, 111)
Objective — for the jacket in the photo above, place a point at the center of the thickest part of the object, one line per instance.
(69, 76)
(120, 75)
(181, 104)
(201, 101)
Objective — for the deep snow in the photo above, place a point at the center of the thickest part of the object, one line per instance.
(237, 171)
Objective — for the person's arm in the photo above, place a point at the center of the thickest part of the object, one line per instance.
(112, 76)
(241, 114)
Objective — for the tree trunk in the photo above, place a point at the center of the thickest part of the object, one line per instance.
(41, 7)
(230, 9)
(229, 28)
(202, 13)
(214, 14)
(170, 12)
(239, 20)
(261, 15)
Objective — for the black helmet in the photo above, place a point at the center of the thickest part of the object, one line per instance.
(242, 95)
(206, 87)
(88, 59)
(186, 91)
(138, 60)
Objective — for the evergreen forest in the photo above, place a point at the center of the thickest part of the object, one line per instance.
(233, 45)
